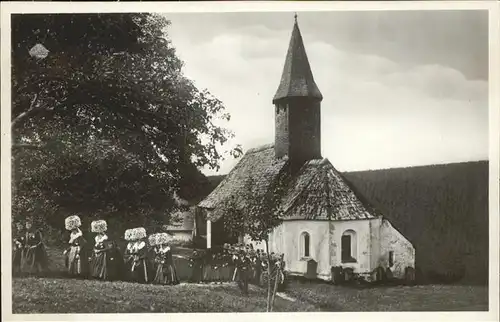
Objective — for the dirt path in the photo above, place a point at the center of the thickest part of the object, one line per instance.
(286, 297)
(214, 284)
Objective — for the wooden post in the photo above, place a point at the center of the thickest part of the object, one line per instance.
(234, 274)
(209, 234)
(275, 289)
(194, 232)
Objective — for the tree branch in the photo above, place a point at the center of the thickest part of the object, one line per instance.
(24, 114)
(27, 146)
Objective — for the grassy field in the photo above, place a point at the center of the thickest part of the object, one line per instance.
(395, 298)
(57, 294)
(51, 295)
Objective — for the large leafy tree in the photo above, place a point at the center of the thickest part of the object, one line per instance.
(106, 122)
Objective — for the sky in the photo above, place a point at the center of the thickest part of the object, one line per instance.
(400, 88)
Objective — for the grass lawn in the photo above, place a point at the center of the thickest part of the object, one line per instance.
(53, 295)
(394, 298)
(57, 294)
(61, 295)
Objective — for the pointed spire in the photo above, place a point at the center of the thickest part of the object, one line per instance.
(297, 79)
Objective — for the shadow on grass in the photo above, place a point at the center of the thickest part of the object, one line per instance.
(49, 274)
(355, 284)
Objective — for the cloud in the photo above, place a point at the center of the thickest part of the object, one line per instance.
(454, 38)
(439, 82)
(376, 113)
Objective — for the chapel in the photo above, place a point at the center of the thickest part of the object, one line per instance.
(324, 220)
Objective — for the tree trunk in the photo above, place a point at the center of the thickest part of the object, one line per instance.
(268, 277)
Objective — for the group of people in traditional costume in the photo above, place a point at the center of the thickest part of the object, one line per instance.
(29, 253)
(145, 260)
(149, 259)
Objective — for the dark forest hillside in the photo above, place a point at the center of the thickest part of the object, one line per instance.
(441, 209)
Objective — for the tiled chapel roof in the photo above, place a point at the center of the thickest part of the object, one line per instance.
(319, 192)
(316, 192)
(258, 164)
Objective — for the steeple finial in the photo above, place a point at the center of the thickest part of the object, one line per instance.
(295, 17)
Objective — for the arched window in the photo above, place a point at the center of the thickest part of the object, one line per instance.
(349, 246)
(305, 249)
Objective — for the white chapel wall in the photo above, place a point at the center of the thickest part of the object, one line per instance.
(275, 241)
(403, 250)
(319, 247)
(286, 239)
(375, 236)
(362, 244)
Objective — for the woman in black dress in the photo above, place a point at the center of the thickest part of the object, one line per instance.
(165, 267)
(17, 247)
(106, 261)
(34, 255)
(76, 259)
(138, 266)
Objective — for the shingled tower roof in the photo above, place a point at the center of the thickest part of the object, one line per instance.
(297, 79)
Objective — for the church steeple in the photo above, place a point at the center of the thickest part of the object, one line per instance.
(298, 107)
(297, 79)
